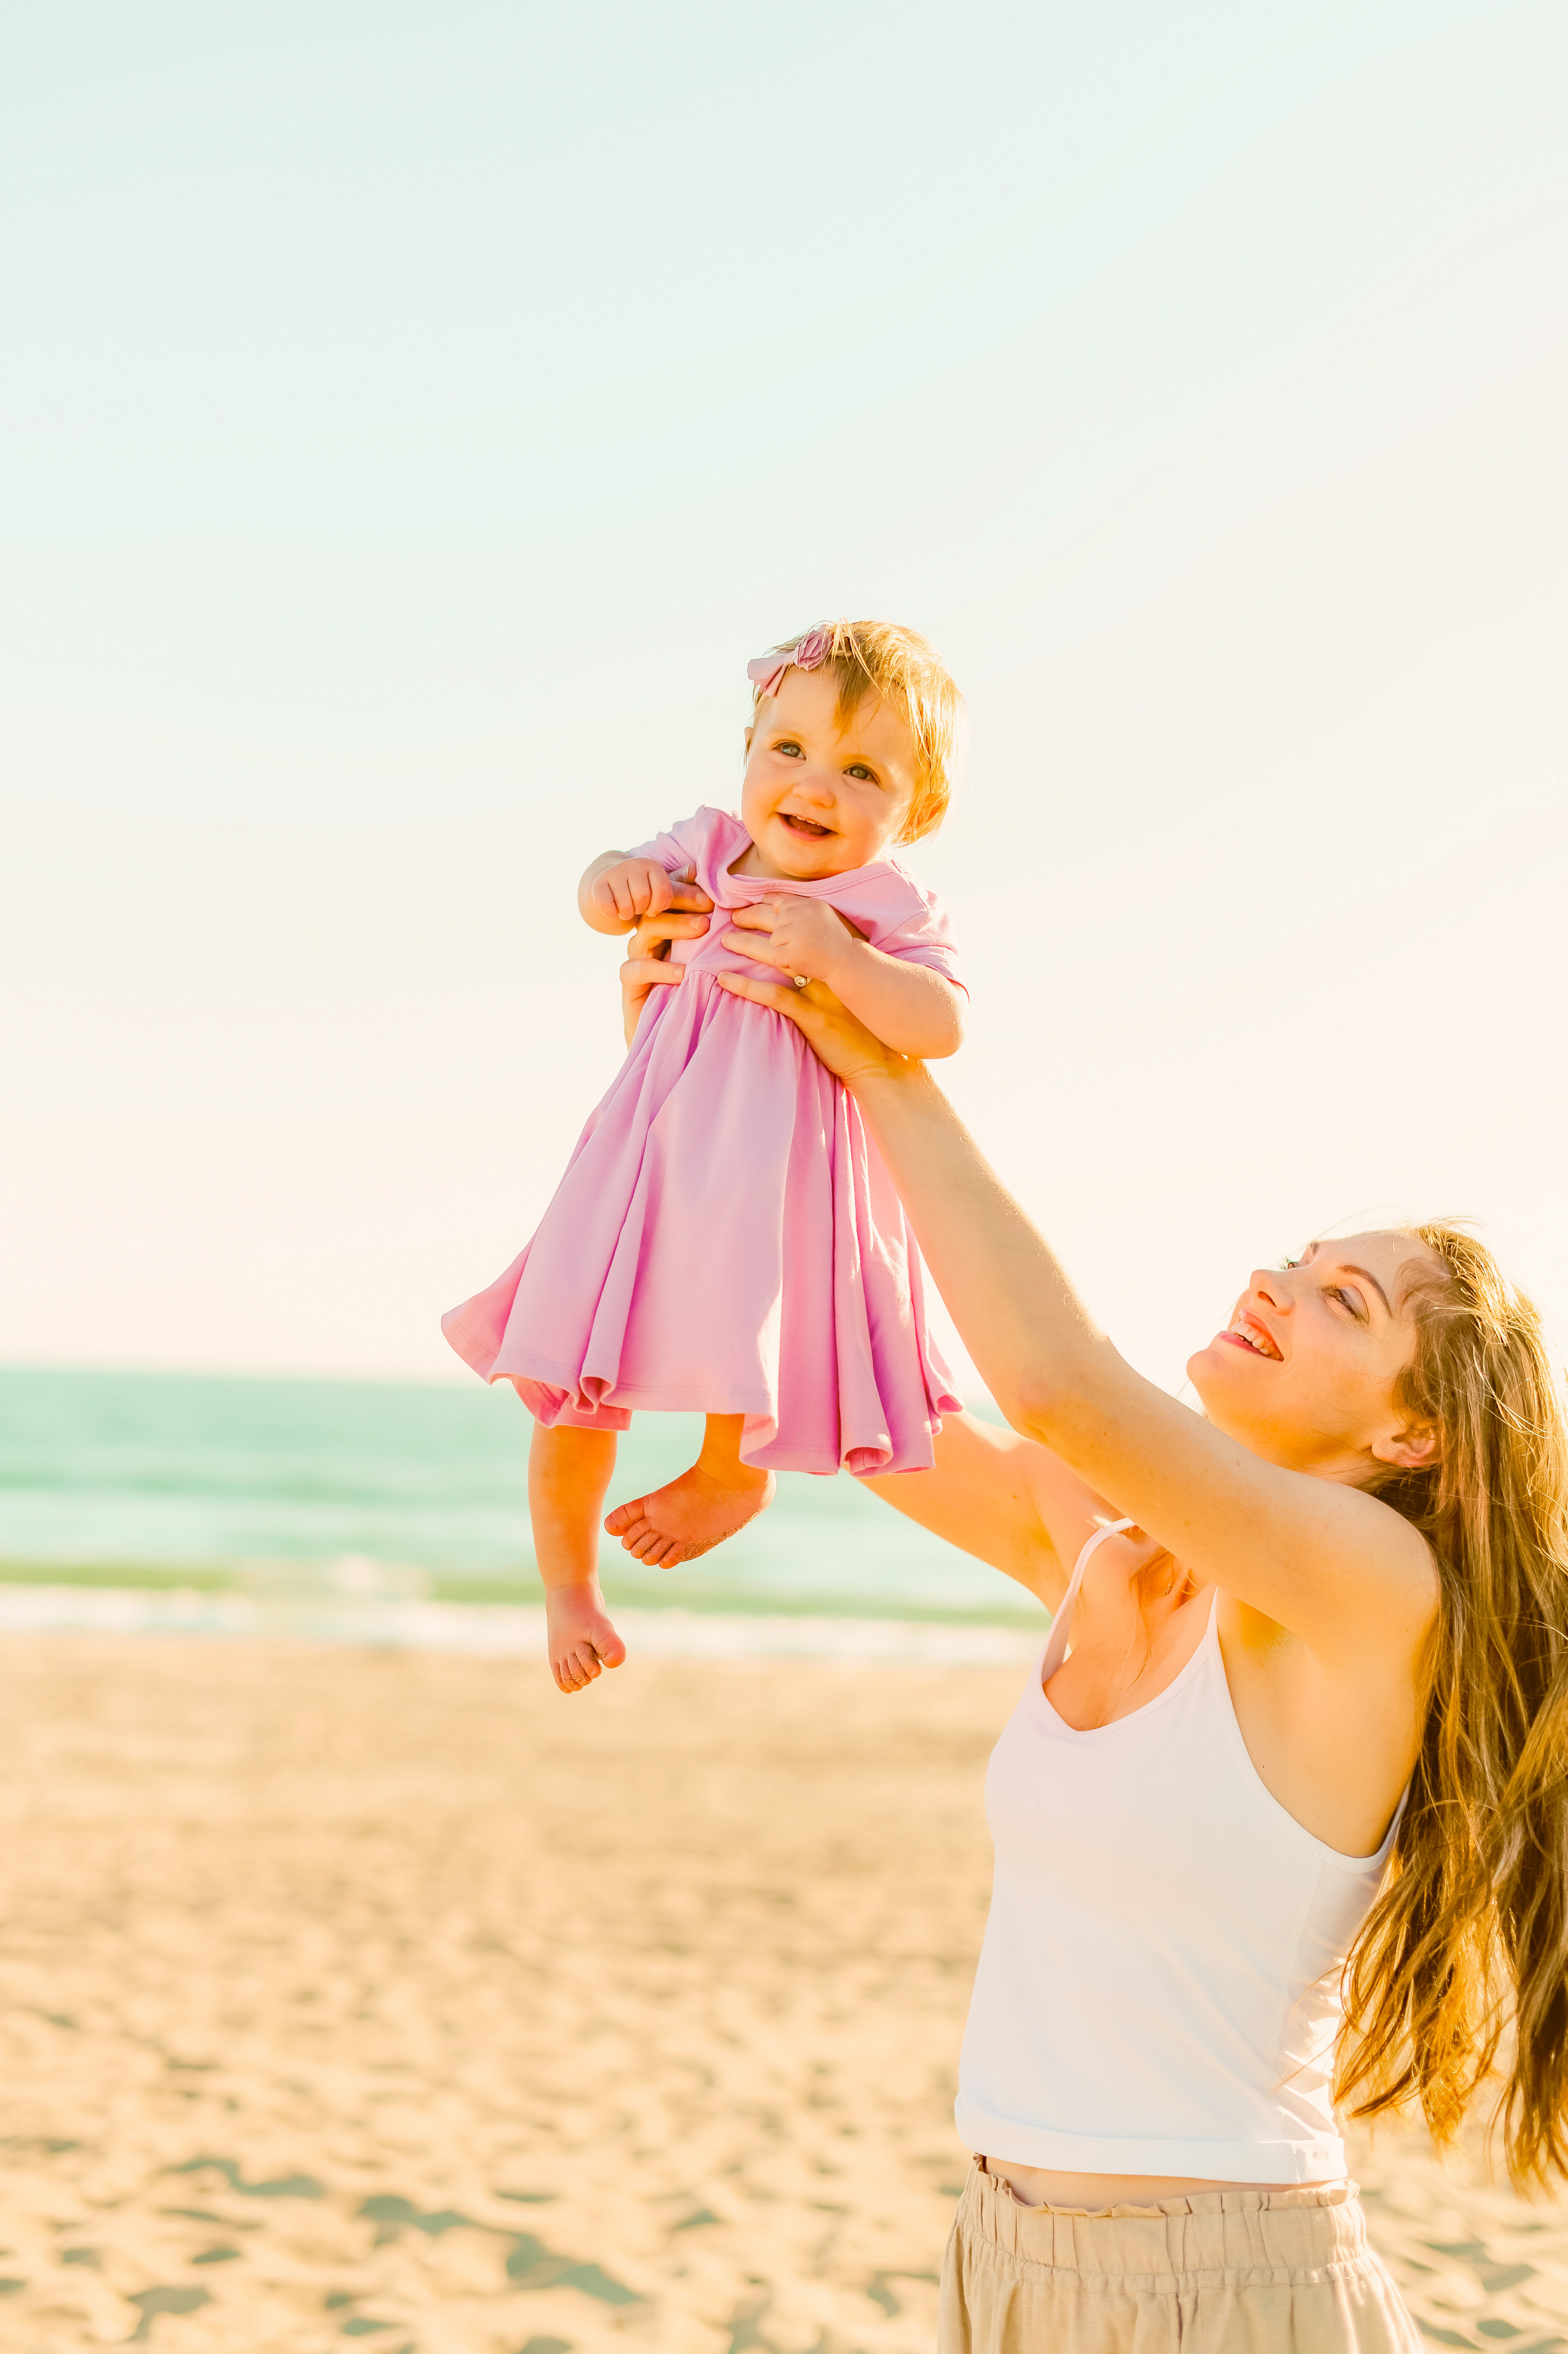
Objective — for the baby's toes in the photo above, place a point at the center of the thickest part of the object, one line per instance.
(570, 1669)
(625, 1518)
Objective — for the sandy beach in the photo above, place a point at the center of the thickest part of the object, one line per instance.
(389, 1996)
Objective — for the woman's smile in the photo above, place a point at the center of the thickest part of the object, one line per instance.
(1248, 1331)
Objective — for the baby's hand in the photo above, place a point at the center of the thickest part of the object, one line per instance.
(807, 938)
(629, 889)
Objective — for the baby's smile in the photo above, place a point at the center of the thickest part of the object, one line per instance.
(823, 794)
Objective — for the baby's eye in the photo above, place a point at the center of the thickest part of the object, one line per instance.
(859, 768)
(790, 747)
(1289, 1262)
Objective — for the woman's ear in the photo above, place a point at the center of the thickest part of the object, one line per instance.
(1410, 1449)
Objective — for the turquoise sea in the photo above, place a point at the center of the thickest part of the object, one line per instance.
(372, 1491)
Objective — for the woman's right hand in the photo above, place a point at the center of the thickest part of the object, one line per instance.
(648, 966)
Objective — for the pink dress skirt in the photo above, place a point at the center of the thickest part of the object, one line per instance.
(726, 1238)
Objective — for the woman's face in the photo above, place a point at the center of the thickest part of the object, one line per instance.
(1306, 1372)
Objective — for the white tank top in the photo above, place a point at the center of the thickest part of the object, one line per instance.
(1158, 1991)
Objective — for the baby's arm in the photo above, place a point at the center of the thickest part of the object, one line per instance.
(616, 891)
(909, 1007)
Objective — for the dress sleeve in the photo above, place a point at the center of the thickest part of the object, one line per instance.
(684, 843)
(925, 937)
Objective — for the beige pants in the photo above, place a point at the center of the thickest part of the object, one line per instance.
(1217, 2271)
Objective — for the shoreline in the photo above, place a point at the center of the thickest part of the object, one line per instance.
(497, 1630)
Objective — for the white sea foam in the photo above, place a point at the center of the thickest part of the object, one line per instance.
(497, 1630)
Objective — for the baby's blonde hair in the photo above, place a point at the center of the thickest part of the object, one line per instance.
(884, 659)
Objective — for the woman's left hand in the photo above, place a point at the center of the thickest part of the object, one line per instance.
(833, 1034)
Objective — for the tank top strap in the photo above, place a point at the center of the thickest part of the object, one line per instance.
(1386, 1849)
(1062, 1624)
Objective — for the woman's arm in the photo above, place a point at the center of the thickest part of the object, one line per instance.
(992, 1494)
(1318, 1557)
(1003, 1499)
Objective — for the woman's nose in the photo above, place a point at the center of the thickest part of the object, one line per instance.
(1271, 1286)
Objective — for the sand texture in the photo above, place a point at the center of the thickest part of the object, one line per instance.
(351, 1995)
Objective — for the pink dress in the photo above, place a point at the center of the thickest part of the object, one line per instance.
(725, 1239)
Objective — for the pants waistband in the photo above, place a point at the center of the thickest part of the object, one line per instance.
(1279, 2232)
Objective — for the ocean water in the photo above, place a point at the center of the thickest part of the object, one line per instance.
(401, 1494)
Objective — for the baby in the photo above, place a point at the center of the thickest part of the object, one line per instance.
(725, 1240)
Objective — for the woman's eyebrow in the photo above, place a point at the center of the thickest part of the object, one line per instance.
(1346, 1267)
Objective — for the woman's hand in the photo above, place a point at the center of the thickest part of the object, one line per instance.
(833, 1034)
(648, 966)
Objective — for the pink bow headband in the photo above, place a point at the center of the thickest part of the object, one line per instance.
(766, 672)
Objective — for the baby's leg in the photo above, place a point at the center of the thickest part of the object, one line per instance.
(717, 1496)
(568, 1471)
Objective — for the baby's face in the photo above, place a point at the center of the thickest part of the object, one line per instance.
(815, 801)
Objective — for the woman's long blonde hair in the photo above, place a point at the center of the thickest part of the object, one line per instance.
(1464, 1955)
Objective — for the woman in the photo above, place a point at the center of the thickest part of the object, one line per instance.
(1316, 1707)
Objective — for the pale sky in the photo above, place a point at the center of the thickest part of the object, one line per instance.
(413, 419)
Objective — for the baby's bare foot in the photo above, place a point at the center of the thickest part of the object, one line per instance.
(581, 1639)
(691, 1515)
